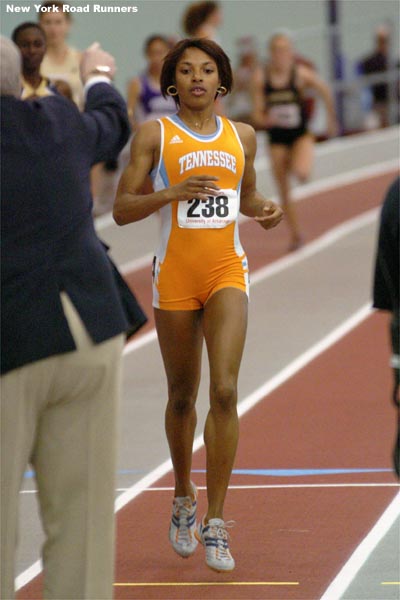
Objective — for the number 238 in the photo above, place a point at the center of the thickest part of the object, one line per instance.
(215, 205)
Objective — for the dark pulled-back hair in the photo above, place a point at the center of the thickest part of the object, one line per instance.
(211, 48)
(197, 14)
(26, 25)
(157, 37)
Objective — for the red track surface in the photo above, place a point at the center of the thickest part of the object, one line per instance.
(299, 535)
(293, 535)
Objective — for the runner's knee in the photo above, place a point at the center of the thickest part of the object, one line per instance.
(182, 398)
(302, 174)
(223, 396)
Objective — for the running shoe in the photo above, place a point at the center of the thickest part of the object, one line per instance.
(183, 524)
(214, 537)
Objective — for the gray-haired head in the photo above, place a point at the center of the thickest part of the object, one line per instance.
(10, 68)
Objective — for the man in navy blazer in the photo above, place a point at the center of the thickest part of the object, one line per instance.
(386, 289)
(62, 327)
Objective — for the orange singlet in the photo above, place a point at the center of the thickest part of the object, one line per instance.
(199, 251)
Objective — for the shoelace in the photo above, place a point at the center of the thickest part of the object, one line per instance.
(182, 511)
(220, 533)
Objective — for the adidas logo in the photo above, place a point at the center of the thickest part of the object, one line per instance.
(176, 140)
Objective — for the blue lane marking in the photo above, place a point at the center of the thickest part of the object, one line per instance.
(132, 471)
(263, 472)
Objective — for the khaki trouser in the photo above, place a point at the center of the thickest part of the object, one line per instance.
(60, 415)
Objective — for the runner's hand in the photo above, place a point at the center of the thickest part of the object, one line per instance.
(272, 215)
(199, 187)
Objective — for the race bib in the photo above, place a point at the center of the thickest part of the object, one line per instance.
(214, 213)
(287, 116)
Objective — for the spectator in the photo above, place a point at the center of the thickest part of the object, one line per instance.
(62, 326)
(61, 61)
(239, 104)
(378, 62)
(145, 100)
(202, 20)
(61, 64)
(31, 41)
(386, 294)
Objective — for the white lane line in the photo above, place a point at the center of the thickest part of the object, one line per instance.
(245, 405)
(305, 358)
(104, 221)
(359, 557)
(320, 243)
(141, 341)
(342, 179)
(325, 240)
(271, 486)
(30, 573)
(279, 486)
(363, 139)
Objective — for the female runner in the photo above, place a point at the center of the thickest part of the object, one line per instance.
(279, 107)
(61, 61)
(145, 101)
(203, 174)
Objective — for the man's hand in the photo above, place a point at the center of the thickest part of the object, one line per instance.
(96, 61)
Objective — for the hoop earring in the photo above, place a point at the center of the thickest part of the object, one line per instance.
(222, 90)
(172, 91)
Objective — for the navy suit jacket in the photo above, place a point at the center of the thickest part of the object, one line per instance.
(48, 240)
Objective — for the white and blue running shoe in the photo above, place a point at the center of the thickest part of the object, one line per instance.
(214, 537)
(183, 524)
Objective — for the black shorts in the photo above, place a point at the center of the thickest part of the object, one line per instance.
(285, 137)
